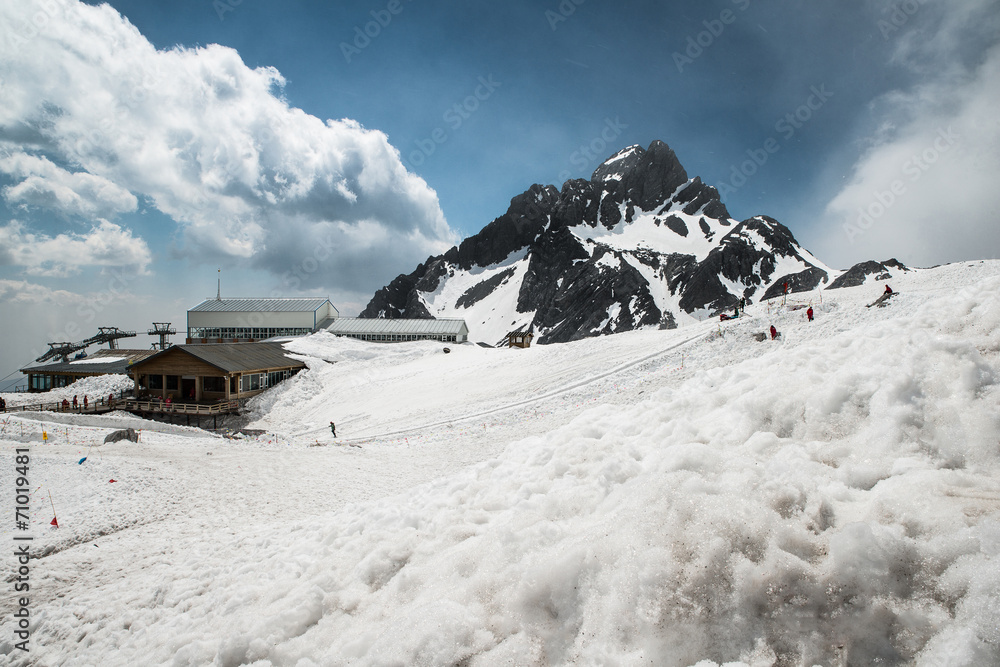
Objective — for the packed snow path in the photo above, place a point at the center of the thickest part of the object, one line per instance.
(534, 400)
(828, 498)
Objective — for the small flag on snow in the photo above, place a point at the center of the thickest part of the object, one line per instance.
(80, 462)
(54, 522)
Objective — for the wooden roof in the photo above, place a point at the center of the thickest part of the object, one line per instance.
(233, 357)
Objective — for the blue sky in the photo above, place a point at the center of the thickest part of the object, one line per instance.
(324, 148)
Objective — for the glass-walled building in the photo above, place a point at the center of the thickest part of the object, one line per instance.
(249, 320)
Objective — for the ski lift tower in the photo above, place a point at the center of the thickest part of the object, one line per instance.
(109, 335)
(163, 330)
(61, 350)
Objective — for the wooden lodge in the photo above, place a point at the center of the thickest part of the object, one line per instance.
(212, 373)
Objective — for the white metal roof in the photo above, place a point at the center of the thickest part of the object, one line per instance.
(358, 325)
(284, 305)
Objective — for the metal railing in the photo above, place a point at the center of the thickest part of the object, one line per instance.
(100, 404)
(130, 405)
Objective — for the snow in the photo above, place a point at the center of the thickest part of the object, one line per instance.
(94, 387)
(98, 360)
(489, 319)
(644, 233)
(683, 497)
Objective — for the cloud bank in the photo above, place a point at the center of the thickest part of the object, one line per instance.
(95, 116)
(925, 188)
(105, 245)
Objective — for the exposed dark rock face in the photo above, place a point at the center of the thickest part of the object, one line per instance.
(857, 274)
(574, 277)
(483, 289)
(122, 434)
(804, 281)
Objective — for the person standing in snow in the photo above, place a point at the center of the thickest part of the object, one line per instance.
(75, 404)
(774, 332)
(84, 401)
(333, 429)
(809, 313)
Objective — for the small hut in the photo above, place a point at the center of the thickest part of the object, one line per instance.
(520, 339)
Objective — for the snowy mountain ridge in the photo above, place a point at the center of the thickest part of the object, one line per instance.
(638, 245)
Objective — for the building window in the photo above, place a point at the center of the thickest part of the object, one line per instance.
(172, 383)
(252, 381)
(155, 381)
(40, 382)
(214, 384)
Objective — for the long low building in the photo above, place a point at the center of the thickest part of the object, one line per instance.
(384, 330)
(249, 320)
(102, 362)
(225, 371)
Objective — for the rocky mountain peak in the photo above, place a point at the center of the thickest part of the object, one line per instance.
(638, 244)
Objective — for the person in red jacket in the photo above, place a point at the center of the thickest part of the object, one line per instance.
(774, 332)
(888, 290)
(809, 313)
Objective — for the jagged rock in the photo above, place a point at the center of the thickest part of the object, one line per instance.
(857, 274)
(122, 434)
(804, 281)
(558, 254)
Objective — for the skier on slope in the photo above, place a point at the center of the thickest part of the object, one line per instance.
(888, 290)
(809, 313)
(333, 429)
(774, 332)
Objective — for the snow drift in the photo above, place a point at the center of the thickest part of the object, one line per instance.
(830, 498)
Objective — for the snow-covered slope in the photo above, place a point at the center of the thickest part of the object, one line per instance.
(639, 245)
(677, 497)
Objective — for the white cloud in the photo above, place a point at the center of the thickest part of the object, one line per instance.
(48, 186)
(925, 191)
(23, 292)
(106, 245)
(212, 144)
